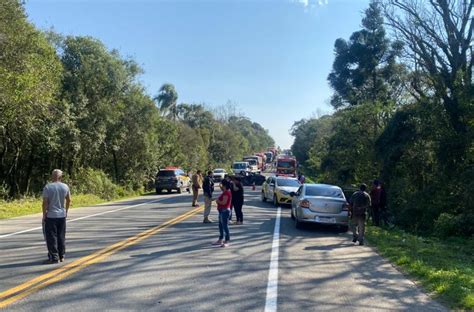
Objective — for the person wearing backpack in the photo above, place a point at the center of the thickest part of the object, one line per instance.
(360, 202)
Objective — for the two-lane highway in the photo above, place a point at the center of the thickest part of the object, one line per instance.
(154, 254)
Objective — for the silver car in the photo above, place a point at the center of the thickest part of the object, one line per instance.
(320, 203)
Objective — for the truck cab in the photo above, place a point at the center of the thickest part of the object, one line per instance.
(241, 167)
(253, 161)
(286, 166)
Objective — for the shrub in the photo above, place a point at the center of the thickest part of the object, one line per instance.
(454, 225)
(96, 182)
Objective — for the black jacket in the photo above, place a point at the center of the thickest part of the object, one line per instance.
(208, 186)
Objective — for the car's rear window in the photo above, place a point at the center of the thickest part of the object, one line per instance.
(288, 182)
(323, 191)
(219, 171)
(166, 173)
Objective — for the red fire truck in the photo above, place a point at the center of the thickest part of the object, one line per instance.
(286, 166)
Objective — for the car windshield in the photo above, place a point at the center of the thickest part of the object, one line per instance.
(166, 173)
(219, 171)
(288, 182)
(323, 191)
(240, 166)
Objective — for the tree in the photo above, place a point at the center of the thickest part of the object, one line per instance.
(365, 67)
(310, 144)
(29, 80)
(438, 37)
(167, 100)
(94, 86)
(195, 116)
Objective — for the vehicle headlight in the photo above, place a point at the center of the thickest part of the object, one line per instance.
(285, 193)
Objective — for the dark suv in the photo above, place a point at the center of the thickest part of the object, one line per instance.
(171, 179)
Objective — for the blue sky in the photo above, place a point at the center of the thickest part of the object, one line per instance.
(270, 58)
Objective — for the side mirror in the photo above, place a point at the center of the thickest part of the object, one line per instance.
(293, 194)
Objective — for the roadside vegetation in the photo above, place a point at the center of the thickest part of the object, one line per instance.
(404, 113)
(445, 268)
(32, 205)
(72, 103)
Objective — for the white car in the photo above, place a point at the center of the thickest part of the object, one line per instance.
(218, 174)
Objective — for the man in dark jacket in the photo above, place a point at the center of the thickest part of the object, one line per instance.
(237, 199)
(360, 202)
(207, 189)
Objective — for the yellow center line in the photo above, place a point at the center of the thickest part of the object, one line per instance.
(21, 291)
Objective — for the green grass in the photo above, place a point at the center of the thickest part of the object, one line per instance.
(32, 205)
(443, 267)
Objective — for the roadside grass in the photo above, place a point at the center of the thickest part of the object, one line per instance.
(443, 267)
(32, 205)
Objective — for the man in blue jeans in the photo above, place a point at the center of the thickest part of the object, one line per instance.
(56, 203)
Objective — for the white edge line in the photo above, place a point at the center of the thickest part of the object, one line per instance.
(272, 285)
(82, 218)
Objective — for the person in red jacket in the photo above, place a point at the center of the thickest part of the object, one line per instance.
(224, 202)
(377, 196)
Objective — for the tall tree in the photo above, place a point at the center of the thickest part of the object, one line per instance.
(29, 80)
(167, 100)
(438, 36)
(95, 83)
(365, 67)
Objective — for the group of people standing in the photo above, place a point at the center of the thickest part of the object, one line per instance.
(231, 199)
(362, 203)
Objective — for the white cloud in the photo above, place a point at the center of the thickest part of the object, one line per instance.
(311, 3)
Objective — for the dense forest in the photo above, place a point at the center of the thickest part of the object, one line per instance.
(403, 113)
(69, 102)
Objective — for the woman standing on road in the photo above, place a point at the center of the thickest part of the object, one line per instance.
(224, 202)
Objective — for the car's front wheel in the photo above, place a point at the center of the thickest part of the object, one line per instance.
(158, 191)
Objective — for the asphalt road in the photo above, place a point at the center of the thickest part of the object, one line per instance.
(129, 256)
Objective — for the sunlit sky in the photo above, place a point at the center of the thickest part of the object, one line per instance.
(270, 58)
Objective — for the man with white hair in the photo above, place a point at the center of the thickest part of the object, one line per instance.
(56, 202)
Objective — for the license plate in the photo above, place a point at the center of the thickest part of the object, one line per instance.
(325, 219)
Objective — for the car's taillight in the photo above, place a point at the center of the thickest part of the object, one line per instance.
(305, 203)
(345, 207)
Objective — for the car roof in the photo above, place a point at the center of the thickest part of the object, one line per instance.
(283, 177)
(322, 185)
